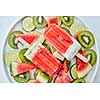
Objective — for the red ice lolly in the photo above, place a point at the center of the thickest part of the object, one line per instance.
(43, 59)
(62, 41)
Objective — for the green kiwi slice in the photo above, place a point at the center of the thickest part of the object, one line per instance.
(86, 39)
(22, 57)
(67, 20)
(81, 80)
(11, 39)
(91, 56)
(22, 78)
(39, 21)
(66, 30)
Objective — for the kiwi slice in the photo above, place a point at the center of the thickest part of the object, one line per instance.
(66, 30)
(22, 78)
(22, 57)
(91, 56)
(68, 64)
(11, 39)
(67, 20)
(53, 50)
(46, 46)
(36, 73)
(81, 80)
(39, 22)
(86, 39)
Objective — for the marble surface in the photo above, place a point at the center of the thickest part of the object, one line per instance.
(92, 21)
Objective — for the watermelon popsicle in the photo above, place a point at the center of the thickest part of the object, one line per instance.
(43, 59)
(62, 41)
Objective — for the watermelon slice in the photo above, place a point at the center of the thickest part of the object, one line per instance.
(19, 68)
(82, 68)
(54, 20)
(27, 39)
(63, 76)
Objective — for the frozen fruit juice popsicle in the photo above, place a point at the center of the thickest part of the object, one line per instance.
(62, 41)
(44, 59)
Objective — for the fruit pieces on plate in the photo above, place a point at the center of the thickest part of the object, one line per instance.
(53, 20)
(11, 39)
(82, 68)
(76, 28)
(66, 29)
(42, 76)
(19, 68)
(67, 20)
(43, 59)
(22, 78)
(12, 56)
(59, 41)
(81, 80)
(27, 39)
(58, 56)
(63, 76)
(22, 57)
(62, 41)
(27, 24)
(91, 56)
(86, 39)
(73, 72)
(39, 22)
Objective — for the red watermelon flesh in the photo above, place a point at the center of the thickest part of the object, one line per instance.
(23, 67)
(29, 38)
(82, 67)
(53, 20)
(19, 68)
(63, 76)
(37, 81)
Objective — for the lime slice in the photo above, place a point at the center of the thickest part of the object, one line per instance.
(73, 72)
(27, 24)
(12, 56)
(76, 27)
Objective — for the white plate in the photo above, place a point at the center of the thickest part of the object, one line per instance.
(17, 26)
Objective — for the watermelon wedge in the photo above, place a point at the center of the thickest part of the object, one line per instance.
(27, 39)
(19, 68)
(63, 76)
(43, 59)
(62, 41)
(82, 68)
(54, 20)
